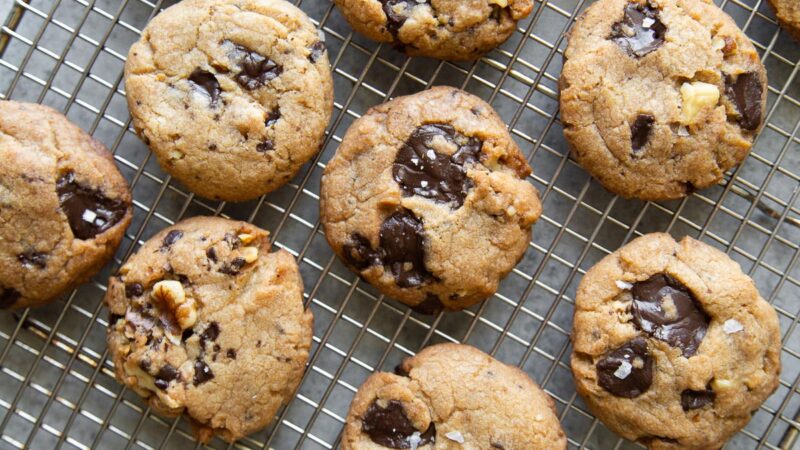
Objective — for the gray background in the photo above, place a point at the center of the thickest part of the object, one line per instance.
(53, 373)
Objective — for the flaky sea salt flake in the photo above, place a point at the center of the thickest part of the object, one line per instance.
(623, 285)
(455, 436)
(623, 370)
(732, 326)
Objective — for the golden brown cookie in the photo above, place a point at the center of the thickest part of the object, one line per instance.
(206, 322)
(788, 13)
(673, 345)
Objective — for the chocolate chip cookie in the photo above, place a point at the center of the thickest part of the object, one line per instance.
(660, 98)
(206, 322)
(233, 96)
(445, 29)
(788, 12)
(64, 206)
(426, 199)
(452, 396)
(673, 345)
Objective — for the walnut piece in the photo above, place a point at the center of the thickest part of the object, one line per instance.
(172, 294)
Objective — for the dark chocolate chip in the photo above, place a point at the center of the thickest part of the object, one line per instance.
(431, 305)
(696, 399)
(134, 290)
(419, 170)
(88, 211)
(144, 364)
(272, 117)
(171, 238)
(640, 32)
(166, 374)
(233, 240)
(233, 267)
(183, 279)
(395, 20)
(265, 146)
(640, 131)
(255, 69)
(358, 252)
(317, 50)
(187, 333)
(746, 93)
(402, 239)
(202, 372)
(211, 254)
(636, 356)
(206, 83)
(211, 333)
(666, 310)
(30, 259)
(497, 446)
(391, 428)
(231, 353)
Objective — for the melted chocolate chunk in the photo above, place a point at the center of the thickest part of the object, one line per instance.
(211, 333)
(211, 254)
(171, 238)
(206, 83)
(144, 364)
(640, 131)
(165, 374)
(696, 399)
(358, 252)
(202, 372)
(256, 70)
(231, 353)
(317, 50)
(403, 246)
(640, 32)
(134, 290)
(666, 310)
(637, 375)
(420, 170)
(265, 146)
(395, 20)
(233, 267)
(88, 211)
(431, 305)
(272, 117)
(187, 333)
(746, 92)
(8, 296)
(30, 259)
(391, 428)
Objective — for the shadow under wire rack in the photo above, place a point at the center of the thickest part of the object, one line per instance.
(57, 388)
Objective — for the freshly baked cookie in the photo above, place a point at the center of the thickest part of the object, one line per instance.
(788, 12)
(426, 199)
(233, 96)
(206, 322)
(673, 345)
(660, 98)
(445, 29)
(64, 207)
(452, 396)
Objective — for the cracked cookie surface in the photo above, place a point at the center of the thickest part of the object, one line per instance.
(206, 322)
(64, 206)
(673, 345)
(660, 98)
(426, 199)
(788, 13)
(444, 29)
(233, 96)
(452, 396)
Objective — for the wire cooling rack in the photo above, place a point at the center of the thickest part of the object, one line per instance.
(57, 388)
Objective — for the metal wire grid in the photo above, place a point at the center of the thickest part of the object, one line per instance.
(56, 385)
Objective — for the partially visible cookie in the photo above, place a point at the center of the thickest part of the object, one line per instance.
(206, 322)
(64, 206)
(659, 98)
(232, 96)
(452, 396)
(673, 345)
(788, 13)
(427, 199)
(445, 29)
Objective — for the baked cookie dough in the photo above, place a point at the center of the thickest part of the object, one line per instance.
(788, 12)
(660, 98)
(206, 322)
(426, 199)
(452, 396)
(232, 96)
(446, 29)
(673, 345)
(64, 206)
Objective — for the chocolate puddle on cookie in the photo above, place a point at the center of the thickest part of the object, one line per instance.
(666, 310)
(207, 84)
(420, 170)
(640, 32)
(255, 69)
(88, 212)
(390, 427)
(628, 370)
